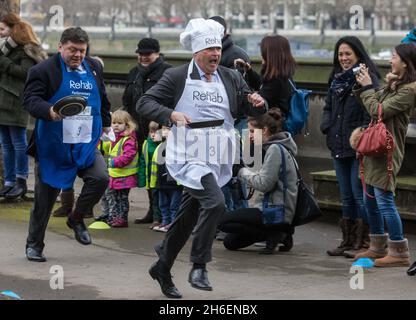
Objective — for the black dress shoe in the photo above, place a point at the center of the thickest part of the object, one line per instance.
(198, 278)
(412, 270)
(80, 231)
(148, 218)
(19, 190)
(36, 255)
(165, 281)
(5, 190)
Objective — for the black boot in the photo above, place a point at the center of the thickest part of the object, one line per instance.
(273, 238)
(347, 226)
(5, 190)
(19, 189)
(148, 218)
(412, 270)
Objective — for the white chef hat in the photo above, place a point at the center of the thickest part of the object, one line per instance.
(200, 34)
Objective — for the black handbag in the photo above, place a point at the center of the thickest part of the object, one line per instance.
(307, 208)
(275, 214)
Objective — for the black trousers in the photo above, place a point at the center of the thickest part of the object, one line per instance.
(198, 214)
(95, 182)
(244, 227)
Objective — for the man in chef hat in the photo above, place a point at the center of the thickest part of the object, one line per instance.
(188, 95)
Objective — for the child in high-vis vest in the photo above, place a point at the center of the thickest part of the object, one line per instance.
(122, 167)
(170, 192)
(148, 149)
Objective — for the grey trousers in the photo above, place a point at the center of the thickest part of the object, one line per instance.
(200, 211)
(95, 182)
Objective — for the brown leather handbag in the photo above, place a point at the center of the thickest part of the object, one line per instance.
(376, 141)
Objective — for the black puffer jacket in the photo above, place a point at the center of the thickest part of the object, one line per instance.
(139, 80)
(230, 52)
(340, 117)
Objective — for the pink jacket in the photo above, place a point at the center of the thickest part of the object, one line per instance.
(129, 152)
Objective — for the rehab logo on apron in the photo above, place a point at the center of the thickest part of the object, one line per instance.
(194, 153)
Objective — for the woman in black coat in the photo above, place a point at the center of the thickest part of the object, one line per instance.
(278, 66)
(141, 78)
(342, 114)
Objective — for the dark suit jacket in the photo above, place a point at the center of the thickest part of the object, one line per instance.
(44, 80)
(159, 101)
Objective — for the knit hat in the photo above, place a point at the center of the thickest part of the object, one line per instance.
(201, 34)
(148, 45)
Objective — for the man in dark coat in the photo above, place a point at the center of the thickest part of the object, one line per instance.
(198, 91)
(66, 147)
(229, 51)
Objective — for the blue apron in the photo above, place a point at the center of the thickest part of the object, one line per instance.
(59, 162)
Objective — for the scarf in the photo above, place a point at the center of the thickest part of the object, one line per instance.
(8, 46)
(343, 82)
(145, 72)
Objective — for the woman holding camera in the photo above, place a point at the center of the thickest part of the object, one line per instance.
(397, 99)
(341, 115)
(245, 226)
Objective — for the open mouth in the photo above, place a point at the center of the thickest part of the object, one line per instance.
(213, 61)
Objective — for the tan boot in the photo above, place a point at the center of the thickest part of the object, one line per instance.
(347, 226)
(378, 247)
(67, 202)
(398, 255)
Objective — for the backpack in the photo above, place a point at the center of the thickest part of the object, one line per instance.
(299, 110)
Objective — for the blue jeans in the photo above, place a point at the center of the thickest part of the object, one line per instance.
(169, 202)
(350, 188)
(15, 161)
(383, 208)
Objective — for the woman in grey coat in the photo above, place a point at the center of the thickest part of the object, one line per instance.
(245, 226)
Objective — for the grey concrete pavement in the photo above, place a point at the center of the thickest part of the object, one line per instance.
(116, 266)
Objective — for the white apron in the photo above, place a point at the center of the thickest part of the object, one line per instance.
(194, 153)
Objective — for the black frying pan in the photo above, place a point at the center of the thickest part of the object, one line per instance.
(70, 105)
(205, 124)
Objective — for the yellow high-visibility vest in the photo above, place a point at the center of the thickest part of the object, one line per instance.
(128, 170)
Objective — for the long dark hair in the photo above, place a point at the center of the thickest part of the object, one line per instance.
(272, 120)
(407, 53)
(279, 62)
(359, 50)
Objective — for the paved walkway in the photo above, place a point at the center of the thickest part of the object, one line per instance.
(116, 265)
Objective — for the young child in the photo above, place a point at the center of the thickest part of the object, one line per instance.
(122, 168)
(170, 193)
(148, 149)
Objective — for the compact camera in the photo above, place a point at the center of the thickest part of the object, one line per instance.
(356, 70)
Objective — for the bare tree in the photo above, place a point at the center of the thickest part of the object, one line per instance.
(5, 7)
(165, 7)
(114, 9)
(93, 9)
(186, 9)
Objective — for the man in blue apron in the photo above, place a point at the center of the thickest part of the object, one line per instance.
(199, 159)
(66, 147)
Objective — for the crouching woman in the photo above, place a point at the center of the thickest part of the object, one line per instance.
(245, 226)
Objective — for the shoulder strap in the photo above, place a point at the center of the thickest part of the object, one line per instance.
(282, 177)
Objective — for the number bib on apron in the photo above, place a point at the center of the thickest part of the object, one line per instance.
(64, 147)
(194, 153)
(78, 129)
